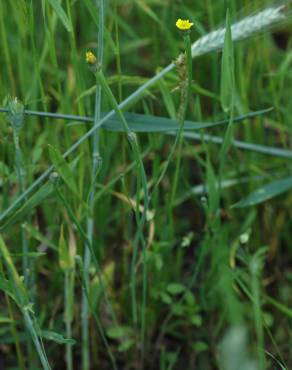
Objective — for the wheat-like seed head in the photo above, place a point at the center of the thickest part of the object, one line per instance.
(240, 30)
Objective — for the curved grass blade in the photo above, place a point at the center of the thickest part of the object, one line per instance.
(265, 193)
(146, 123)
(279, 152)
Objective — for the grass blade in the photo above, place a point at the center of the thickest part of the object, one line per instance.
(265, 193)
(61, 14)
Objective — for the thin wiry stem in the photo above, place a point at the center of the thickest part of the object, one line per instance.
(203, 45)
(96, 163)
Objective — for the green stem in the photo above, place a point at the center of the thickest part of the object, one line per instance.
(118, 54)
(96, 164)
(69, 302)
(185, 98)
(96, 318)
(258, 319)
(13, 327)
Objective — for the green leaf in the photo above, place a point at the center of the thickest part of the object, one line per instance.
(61, 14)
(29, 254)
(199, 347)
(265, 193)
(63, 169)
(18, 289)
(7, 288)
(119, 331)
(227, 68)
(148, 123)
(166, 298)
(213, 189)
(5, 320)
(56, 337)
(196, 320)
(126, 345)
(280, 306)
(64, 255)
(34, 233)
(175, 288)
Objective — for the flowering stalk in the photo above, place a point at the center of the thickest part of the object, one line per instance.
(184, 67)
(95, 168)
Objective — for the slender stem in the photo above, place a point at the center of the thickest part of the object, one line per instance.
(69, 289)
(13, 327)
(96, 164)
(118, 54)
(185, 95)
(185, 98)
(257, 310)
(96, 318)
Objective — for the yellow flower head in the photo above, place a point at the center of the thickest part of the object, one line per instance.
(90, 58)
(183, 24)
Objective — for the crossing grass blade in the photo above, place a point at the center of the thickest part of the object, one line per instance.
(265, 193)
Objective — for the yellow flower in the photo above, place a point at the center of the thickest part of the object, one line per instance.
(90, 58)
(184, 25)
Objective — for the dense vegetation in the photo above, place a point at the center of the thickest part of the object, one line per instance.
(157, 243)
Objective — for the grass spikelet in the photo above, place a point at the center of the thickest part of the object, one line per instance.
(240, 30)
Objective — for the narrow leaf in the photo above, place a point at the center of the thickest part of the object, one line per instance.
(64, 256)
(61, 14)
(56, 337)
(63, 168)
(227, 68)
(266, 192)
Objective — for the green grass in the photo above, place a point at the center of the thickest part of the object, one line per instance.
(161, 238)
